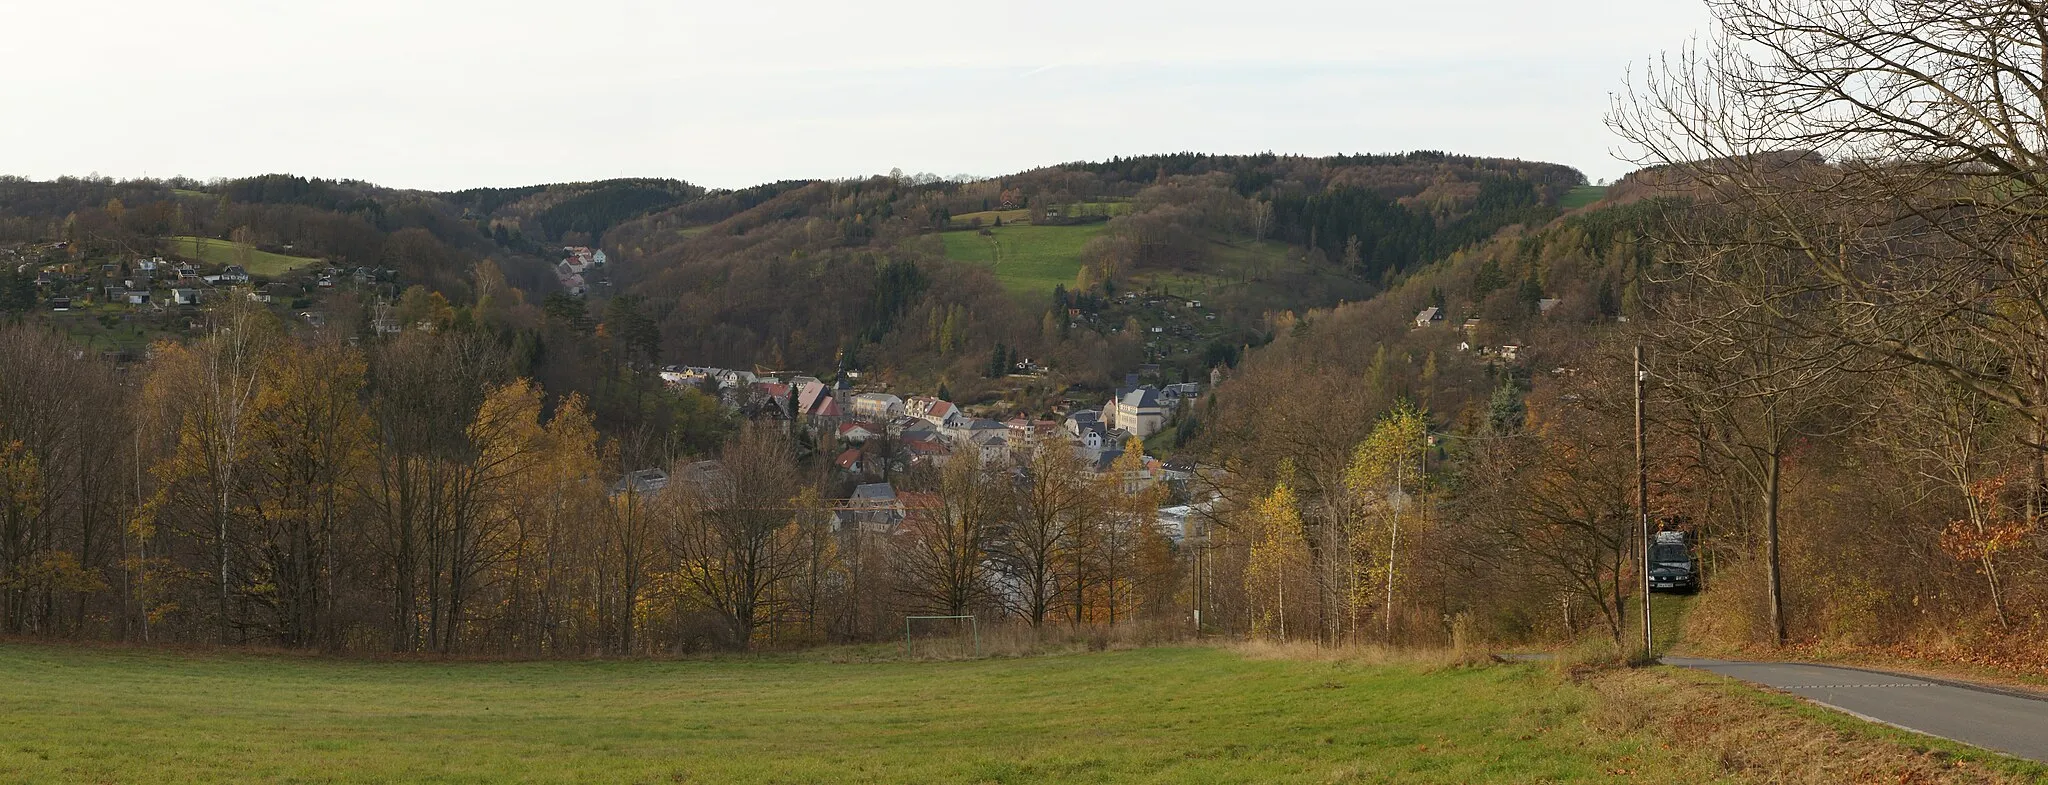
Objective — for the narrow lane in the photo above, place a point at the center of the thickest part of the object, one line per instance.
(1998, 720)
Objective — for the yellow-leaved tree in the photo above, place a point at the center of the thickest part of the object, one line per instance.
(210, 391)
(1388, 489)
(309, 444)
(1276, 570)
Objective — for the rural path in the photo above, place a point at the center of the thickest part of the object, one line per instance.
(2008, 721)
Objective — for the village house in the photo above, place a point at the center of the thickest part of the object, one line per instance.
(1137, 410)
(964, 430)
(1429, 316)
(877, 406)
(1028, 431)
(904, 428)
(939, 413)
(927, 452)
(645, 482)
(1173, 395)
(1132, 481)
(856, 433)
(873, 508)
(851, 461)
(731, 379)
(1085, 430)
(232, 274)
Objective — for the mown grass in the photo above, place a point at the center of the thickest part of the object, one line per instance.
(211, 251)
(1582, 195)
(1028, 260)
(1195, 715)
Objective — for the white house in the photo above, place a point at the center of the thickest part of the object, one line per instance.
(1137, 410)
(939, 413)
(877, 406)
(856, 433)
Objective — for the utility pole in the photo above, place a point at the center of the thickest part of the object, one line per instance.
(1643, 500)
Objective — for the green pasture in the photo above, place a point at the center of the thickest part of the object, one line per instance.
(1028, 260)
(1186, 715)
(208, 250)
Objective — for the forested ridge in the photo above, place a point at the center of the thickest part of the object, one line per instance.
(367, 480)
(1420, 435)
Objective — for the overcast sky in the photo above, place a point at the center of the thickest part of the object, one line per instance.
(447, 94)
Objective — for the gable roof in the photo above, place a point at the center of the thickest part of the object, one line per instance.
(1106, 460)
(874, 492)
(1146, 397)
(706, 478)
(810, 394)
(927, 447)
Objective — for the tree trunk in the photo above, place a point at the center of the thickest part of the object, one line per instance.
(221, 522)
(1773, 474)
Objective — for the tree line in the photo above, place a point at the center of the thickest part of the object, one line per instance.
(255, 487)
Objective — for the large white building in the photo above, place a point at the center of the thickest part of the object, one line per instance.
(1137, 410)
(877, 406)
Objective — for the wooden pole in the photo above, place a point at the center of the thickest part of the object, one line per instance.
(1643, 499)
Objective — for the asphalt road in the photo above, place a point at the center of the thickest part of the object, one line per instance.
(2006, 721)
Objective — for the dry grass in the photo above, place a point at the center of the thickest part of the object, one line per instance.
(1363, 655)
(1759, 737)
(999, 641)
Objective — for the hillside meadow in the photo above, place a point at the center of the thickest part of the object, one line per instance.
(213, 251)
(1028, 260)
(1183, 715)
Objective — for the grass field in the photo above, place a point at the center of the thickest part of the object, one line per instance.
(1028, 260)
(1023, 215)
(1192, 715)
(1581, 196)
(988, 217)
(212, 251)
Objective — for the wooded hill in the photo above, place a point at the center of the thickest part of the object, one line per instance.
(797, 274)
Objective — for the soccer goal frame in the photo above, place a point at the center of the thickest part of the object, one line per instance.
(910, 646)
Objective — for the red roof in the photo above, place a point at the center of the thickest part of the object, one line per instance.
(849, 459)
